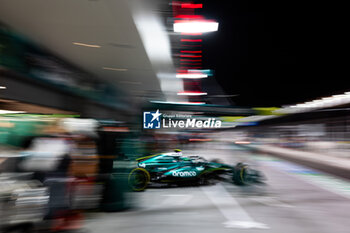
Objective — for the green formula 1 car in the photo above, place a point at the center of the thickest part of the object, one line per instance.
(174, 168)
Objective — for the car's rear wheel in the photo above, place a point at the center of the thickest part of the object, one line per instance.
(139, 179)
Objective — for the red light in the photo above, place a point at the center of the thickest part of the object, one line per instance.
(191, 60)
(189, 67)
(189, 17)
(182, 71)
(189, 51)
(186, 55)
(191, 5)
(191, 40)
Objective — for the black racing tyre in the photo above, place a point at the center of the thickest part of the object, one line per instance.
(139, 179)
(241, 174)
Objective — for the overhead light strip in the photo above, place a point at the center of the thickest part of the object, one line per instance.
(191, 75)
(189, 93)
(87, 45)
(195, 26)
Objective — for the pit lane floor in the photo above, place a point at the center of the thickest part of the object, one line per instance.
(294, 199)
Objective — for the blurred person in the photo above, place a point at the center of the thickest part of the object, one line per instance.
(47, 157)
(50, 159)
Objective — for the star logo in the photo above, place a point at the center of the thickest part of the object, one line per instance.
(156, 115)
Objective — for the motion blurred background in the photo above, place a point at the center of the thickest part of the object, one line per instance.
(77, 76)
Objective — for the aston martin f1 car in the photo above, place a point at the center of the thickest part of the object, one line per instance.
(174, 168)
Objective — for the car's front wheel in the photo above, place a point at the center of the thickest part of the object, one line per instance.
(241, 174)
(139, 179)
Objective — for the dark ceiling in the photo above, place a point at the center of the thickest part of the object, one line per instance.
(274, 53)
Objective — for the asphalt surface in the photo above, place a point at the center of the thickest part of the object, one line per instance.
(294, 199)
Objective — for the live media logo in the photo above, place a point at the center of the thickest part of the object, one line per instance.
(151, 120)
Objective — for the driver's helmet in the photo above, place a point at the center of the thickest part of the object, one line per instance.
(178, 152)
